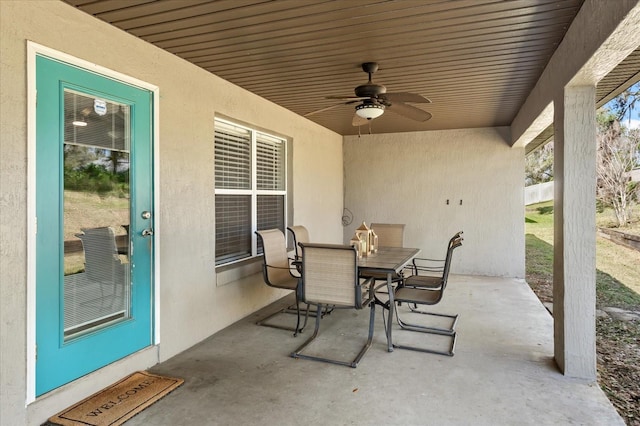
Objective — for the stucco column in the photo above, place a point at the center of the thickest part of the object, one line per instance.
(574, 267)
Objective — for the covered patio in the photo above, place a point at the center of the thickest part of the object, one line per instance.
(503, 371)
(503, 77)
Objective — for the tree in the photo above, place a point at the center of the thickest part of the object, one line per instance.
(618, 153)
(625, 103)
(78, 156)
(539, 165)
(616, 157)
(114, 158)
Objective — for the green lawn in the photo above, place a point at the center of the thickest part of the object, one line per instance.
(617, 266)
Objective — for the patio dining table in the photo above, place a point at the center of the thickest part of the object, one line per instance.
(387, 260)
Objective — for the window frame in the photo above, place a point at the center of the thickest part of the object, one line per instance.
(254, 192)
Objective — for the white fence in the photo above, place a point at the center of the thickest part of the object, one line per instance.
(538, 193)
(544, 191)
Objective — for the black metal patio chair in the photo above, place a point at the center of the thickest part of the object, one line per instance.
(300, 234)
(330, 279)
(425, 288)
(279, 272)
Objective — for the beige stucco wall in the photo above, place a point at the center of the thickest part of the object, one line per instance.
(193, 305)
(408, 178)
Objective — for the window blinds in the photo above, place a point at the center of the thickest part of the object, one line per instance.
(269, 163)
(239, 187)
(232, 157)
(233, 228)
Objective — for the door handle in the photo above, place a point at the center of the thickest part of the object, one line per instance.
(147, 232)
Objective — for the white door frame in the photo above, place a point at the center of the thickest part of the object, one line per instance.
(33, 50)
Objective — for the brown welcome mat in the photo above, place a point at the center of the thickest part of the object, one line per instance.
(119, 402)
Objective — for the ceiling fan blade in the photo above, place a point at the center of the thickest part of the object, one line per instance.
(331, 107)
(405, 97)
(409, 111)
(323, 109)
(346, 98)
(358, 121)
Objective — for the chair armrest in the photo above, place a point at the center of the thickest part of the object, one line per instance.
(297, 264)
(290, 269)
(424, 259)
(423, 264)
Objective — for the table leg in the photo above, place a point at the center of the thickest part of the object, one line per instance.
(392, 305)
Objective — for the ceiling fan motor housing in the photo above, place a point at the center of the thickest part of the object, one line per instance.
(370, 90)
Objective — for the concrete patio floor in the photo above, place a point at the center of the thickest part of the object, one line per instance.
(503, 371)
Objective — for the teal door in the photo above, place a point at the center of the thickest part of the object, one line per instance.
(94, 238)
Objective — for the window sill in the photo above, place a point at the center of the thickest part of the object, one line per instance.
(227, 274)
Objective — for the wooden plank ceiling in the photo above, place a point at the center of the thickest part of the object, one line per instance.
(475, 59)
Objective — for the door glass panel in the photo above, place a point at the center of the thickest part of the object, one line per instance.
(97, 291)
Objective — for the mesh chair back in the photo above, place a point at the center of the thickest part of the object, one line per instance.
(276, 270)
(100, 253)
(300, 235)
(454, 243)
(330, 275)
(389, 234)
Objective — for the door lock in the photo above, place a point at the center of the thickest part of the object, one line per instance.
(147, 232)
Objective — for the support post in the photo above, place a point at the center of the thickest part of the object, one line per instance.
(574, 267)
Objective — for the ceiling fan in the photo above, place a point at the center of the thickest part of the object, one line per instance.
(373, 100)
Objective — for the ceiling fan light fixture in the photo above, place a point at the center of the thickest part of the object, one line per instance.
(369, 110)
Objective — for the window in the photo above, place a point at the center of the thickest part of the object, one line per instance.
(250, 189)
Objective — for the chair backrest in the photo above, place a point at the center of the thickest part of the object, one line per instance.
(454, 243)
(100, 253)
(276, 262)
(389, 234)
(330, 275)
(300, 235)
(454, 238)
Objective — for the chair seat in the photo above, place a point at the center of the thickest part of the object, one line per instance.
(423, 281)
(417, 295)
(288, 283)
